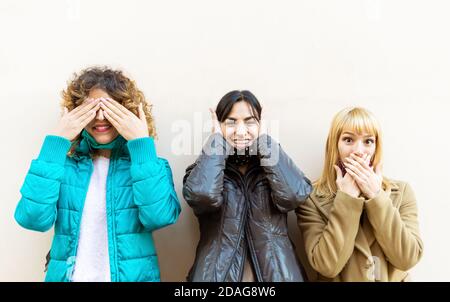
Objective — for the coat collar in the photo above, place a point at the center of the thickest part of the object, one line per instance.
(253, 165)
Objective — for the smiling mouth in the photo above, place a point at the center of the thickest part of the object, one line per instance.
(241, 141)
(102, 129)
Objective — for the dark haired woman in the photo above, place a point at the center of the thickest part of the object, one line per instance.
(99, 181)
(241, 188)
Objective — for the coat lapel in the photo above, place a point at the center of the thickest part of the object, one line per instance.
(361, 243)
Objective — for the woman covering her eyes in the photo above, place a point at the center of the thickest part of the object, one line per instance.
(358, 225)
(99, 182)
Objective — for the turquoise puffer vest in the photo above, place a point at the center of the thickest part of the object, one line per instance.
(140, 198)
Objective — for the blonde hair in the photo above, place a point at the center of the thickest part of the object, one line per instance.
(355, 119)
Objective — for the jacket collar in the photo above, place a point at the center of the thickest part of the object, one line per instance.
(252, 164)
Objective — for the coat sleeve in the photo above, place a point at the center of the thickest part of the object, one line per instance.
(288, 184)
(37, 208)
(396, 230)
(329, 243)
(153, 188)
(203, 181)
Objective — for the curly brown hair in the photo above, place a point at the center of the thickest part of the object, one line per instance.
(115, 83)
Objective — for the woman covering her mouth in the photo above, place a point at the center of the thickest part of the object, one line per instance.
(358, 225)
(241, 188)
(99, 182)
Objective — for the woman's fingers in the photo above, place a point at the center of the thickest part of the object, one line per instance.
(142, 116)
(118, 105)
(355, 170)
(110, 113)
(87, 118)
(84, 108)
(215, 121)
(261, 117)
(368, 159)
(114, 122)
(112, 107)
(87, 113)
(76, 109)
(357, 165)
(361, 161)
(262, 123)
(118, 109)
(81, 106)
(355, 176)
(213, 115)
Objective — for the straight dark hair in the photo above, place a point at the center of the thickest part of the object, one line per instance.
(228, 100)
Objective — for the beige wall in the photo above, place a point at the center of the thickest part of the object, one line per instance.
(304, 60)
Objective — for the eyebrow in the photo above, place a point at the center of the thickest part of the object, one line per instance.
(245, 119)
(353, 134)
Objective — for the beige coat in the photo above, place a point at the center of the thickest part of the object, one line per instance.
(353, 239)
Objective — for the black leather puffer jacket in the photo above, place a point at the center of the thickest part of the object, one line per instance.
(239, 213)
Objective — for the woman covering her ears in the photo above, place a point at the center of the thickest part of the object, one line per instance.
(358, 225)
(241, 188)
(99, 182)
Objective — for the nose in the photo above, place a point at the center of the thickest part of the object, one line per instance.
(241, 130)
(100, 116)
(359, 149)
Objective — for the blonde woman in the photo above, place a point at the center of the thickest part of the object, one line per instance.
(358, 225)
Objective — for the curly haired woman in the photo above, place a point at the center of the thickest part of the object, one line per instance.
(100, 183)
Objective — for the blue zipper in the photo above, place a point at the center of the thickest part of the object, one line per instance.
(110, 205)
